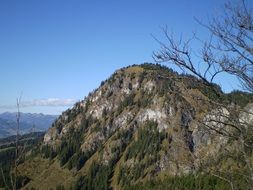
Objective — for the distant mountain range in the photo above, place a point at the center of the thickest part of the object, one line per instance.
(28, 123)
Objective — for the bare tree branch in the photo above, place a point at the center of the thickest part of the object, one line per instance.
(230, 50)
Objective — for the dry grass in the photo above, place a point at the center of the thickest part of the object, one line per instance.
(45, 174)
(135, 69)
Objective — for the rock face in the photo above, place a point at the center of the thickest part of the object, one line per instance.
(144, 121)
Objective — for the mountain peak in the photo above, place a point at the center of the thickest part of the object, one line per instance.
(141, 122)
(145, 67)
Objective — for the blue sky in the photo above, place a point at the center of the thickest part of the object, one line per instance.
(56, 51)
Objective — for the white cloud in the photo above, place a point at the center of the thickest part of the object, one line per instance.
(43, 102)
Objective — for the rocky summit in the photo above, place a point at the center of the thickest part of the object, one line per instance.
(144, 126)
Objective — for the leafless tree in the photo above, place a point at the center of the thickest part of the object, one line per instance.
(17, 149)
(230, 50)
(19, 152)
